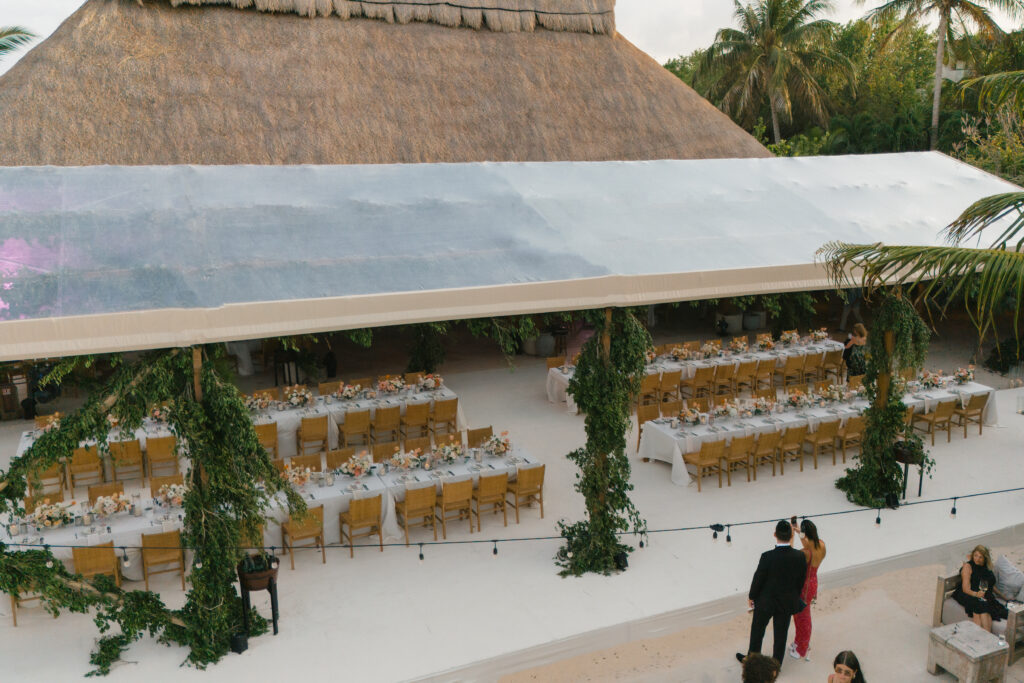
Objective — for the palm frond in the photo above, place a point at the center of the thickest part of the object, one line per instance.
(996, 89)
(13, 37)
(987, 212)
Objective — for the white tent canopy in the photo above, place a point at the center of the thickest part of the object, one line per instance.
(102, 259)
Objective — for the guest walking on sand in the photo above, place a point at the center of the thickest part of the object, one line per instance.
(775, 592)
(814, 553)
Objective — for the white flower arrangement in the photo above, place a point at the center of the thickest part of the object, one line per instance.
(798, 399)
(257, 402)
(790, 337)
(710, 350)
(690, 416)
(297, 476)
(964, 375)
(498, 444)
(298, 396)
(430, 382)
(172, 495)
(727, 409)
(357, 466)
(348, 391)
(680, 353)
(450, 451)
(390, 385)
(111, 505)
(763, 406)
(932, 380)
(835, 393)
(820, 334)
(738, 346)
(49, 514)
(406, 461)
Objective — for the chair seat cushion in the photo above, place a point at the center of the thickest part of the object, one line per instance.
(953, 612)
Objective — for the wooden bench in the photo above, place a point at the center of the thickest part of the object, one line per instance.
(948, 611)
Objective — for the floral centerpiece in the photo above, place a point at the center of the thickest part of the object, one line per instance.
(172, 495)
(765, 344)
(738, 345)
(690, 416)
(160, 413)
(964, 375)
(348, 391)
(498, 444)
(797, 399)
(835, 393)
(49, 514)
(357, 466)
(450, 451)
(680, 353)
(298, 396)
(257, 402)
(111, 505)
(53, 421)
(650, 355)
(727, 408)
(113, 421)
(791, 337)
(762, 406)
(710, 350)
(820, 334)
(430, 382)
(390, 385)
(406, 461)
(932, 380)
(297, 476)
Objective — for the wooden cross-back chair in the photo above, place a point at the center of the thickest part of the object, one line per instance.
(162, 453)
(126, 460)
(85, 467)
(490, 495)
(311, 527)
(528, 487)
(476, 437)
(160, 550)
(363, 519)
(419, 504)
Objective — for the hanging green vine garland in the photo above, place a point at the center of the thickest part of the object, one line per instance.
(222, 504)
(603, 387)
(877, 473)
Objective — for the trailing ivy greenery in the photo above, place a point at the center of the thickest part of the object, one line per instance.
(876, 473)
(222, 506)
(603, 386)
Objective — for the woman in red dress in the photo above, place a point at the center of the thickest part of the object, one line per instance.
(814, 552)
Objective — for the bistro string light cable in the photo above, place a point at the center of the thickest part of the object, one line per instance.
(644, 535)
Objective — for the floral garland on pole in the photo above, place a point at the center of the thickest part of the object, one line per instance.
(607, 378)
(222, 506)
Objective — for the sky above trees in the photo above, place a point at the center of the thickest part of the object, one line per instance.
(661, 28)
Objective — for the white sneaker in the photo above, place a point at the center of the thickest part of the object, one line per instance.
(792, 651)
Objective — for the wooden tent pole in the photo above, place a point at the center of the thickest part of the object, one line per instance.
(197, 364)
(885, 378)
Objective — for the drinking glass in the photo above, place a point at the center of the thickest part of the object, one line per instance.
(983, 586)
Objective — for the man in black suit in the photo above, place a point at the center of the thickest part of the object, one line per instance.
(775, 592)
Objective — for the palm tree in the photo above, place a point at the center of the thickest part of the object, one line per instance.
(950, 13)
(777, 53)
(984, 277)
(13, 37)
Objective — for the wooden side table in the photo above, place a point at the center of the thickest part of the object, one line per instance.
(967, 651)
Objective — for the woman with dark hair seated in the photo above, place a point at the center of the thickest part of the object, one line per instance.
(977, 590)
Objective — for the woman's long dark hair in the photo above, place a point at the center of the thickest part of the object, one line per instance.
(808, 529)
(847, 658)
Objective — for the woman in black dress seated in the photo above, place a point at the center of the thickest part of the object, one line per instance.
(977, 591)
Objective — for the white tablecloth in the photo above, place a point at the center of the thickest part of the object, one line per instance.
(558, 378)
(660, 442)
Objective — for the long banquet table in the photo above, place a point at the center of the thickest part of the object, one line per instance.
(558, 378)
(659, 441)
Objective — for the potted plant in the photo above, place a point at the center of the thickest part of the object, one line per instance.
(255, 570)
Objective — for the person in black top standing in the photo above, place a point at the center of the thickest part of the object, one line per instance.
(775, 592)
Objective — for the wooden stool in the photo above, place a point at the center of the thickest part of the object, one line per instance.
(967, 651)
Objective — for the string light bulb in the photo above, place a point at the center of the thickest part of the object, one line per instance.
(641, 542)
(878, 518)
(124, 558)
(199, 564)
(495, 552)
(421, 553)
(49, 560)
(952, 512)
(728, 535)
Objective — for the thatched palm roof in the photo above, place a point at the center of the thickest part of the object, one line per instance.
(124, 83)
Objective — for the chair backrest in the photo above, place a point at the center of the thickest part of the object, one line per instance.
(717, 343)
(327, 388)
(456, 493)
(833, 358)
(945, 410)
(339, 457)
(356, 421)
(126, 452)
(279, 464)
(725, 372)
(416, 413)
(446, 410)
(818, 387)
(363, 511)
(813, 360)
(85, 455)
(476, 437)
(311, 524)
(649, 384)
(266, 433)
(421, 500)
(701, 404)
(712, 450)
(97, 559)
(32, 501)
(493, 486)
(908, 374)
(769, 393)
(420, 442)
(854, 382)
(314, 428)
(827, 430)
(747, 369)
(670, 380)
(274, 393)
(794, 363)
(161, 548)
(671, 408)
(704, 375)
(384, 451)
(413, 378)
(647, 412)
(854, 426)
(977, 402)
(156, 483)
(741, 446)
(42, 421)
(311, 461)
(766, 367)
(162, 448)
(105, 490)
(767, 443)
(691, 345)
(555, 361)
(530, 479)
(364, 382)
(794, 435)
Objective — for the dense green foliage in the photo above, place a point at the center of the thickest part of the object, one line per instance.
(604, 386)
(221, 506)
(876, 473)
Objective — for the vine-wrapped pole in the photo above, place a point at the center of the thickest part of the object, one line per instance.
(885, 377)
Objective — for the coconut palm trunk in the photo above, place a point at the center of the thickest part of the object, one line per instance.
(775, 124)
(940, 50)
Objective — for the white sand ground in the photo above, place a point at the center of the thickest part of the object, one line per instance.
(464, 614)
